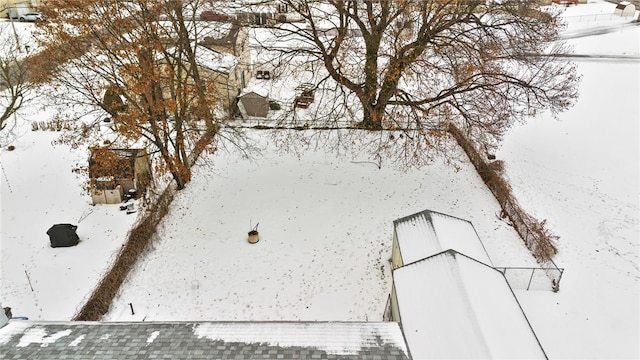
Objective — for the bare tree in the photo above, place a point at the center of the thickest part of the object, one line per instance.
(415, 67)
(15, 87)
(135, 61)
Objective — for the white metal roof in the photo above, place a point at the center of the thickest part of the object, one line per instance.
(452, 306)
(428, 233)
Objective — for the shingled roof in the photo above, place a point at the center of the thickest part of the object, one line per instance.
(202, 340)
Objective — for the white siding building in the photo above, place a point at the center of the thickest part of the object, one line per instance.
(453, 307)
(448, 298)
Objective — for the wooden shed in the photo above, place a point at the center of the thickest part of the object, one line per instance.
(116, 172)
(253, 104)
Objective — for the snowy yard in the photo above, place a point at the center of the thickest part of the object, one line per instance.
(326, 222)
(39, 190)
(582, 175)
(325, 225)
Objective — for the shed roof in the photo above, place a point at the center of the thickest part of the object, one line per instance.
(210, 59)
(428, 233)
(259, 91)
(201, 340)
(120, 163)
(452, 306)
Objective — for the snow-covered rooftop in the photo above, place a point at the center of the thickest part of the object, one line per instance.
(202, 340)
(215, 60)
(214, 29)
(452, 306)
(428, 233)
(253, 88)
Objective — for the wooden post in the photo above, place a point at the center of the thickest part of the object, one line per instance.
(29, 279)
(531, 278)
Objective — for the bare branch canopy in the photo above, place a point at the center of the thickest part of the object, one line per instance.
(414, 66)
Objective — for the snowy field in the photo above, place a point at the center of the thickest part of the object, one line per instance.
(326, 223)
(39, 189)
(582, 175)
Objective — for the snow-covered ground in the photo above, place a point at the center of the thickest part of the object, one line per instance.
(326, 223)
(581, 173)
(39, 189)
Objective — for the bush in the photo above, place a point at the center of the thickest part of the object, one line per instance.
(52, 125)
(538, 239)
(274, 105)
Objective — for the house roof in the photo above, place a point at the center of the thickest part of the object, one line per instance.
(219, 33)
(428, 233)
(201, 340)
(208, 58)
(215, 60)
(452, 306)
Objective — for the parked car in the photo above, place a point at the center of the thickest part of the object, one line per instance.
(31, 16)
(16, 12)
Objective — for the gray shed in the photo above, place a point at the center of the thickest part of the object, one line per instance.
(252, 104)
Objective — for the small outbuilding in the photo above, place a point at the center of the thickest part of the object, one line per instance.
(451, 306)
(427, 233)
(116, 172)
(63, 235)
(625, 9)
(253, 104)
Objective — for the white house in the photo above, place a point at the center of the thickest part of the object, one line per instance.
(449, 299)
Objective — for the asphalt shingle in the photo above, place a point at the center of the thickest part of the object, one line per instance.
(22, 340)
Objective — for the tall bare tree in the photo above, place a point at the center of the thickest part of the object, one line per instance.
(418, 66)
(15, 87)
(142, 56)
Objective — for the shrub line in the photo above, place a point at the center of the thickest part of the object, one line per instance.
(138, 241)
(538, 239)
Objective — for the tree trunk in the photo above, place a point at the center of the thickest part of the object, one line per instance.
(180, 172)
(181, 183)
(183, 37)
(372, 118)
